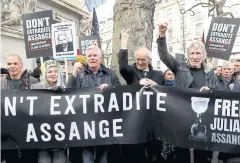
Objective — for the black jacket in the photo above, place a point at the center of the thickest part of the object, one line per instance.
(36, 73)
(184, 78)
(132, 75)
(84, 79)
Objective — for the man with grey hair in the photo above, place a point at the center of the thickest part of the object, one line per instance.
(226, 79)
(141, 72)
(94, 74)
(193, 74)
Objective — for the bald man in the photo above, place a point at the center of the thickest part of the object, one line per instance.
(17, 79)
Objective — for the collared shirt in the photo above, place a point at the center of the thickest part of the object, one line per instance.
(145, 72)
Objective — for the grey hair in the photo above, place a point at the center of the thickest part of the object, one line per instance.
(94, 47)
(148, 52)
(200, 44)
(227, 64)
(15, 55)
(62, 34)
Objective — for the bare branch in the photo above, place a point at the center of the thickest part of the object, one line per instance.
(211, 9)
(195, 6)
(235, 4)
(228, 13)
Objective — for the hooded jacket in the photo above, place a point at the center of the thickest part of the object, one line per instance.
(44, 83)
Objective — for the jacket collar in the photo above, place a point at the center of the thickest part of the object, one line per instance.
(101, 69)
(24, 73)
(149, 66)
(205, 67)
(221, 78)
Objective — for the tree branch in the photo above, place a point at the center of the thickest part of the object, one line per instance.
(211, 9)
(228, 13)
(235, 4)
(194, 6)
(212, 1)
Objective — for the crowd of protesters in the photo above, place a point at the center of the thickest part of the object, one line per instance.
(89, 72)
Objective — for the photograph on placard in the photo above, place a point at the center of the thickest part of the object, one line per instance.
(64, 40)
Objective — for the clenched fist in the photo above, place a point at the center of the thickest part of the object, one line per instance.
(76, 68)
(162, 27)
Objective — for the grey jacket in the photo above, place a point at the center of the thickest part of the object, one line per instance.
(39, 85)
(26, 81)
(236, 88)
(225, 86)
(181, 70)
(84, 79)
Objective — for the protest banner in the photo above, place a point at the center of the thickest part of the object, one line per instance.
(221, 37)
(121, 115)
(37, 33)
(64, 40)
(86, 41)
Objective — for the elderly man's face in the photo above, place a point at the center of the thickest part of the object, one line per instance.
(236, 66)
(142, 60)
(196, 57)
(227, 71)
(62, 40)
(93, 58)
(14, 66)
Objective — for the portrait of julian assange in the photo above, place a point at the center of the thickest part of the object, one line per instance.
(63, 40)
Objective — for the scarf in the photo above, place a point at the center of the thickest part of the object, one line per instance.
(169, 83)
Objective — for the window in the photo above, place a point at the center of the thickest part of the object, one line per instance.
(169, 12)
(157, 16)
(198, 17)
(199, 29)
(170, 35)
(183, 28)
(158, 65)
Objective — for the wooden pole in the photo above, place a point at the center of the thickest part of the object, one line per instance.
(41, 60)
(66, 69)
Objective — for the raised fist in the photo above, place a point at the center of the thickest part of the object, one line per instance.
(124, 38)
(76, 68)
(162, 27)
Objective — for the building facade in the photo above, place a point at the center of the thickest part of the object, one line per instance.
(105, 20)
(184, 27)
(12, 41)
